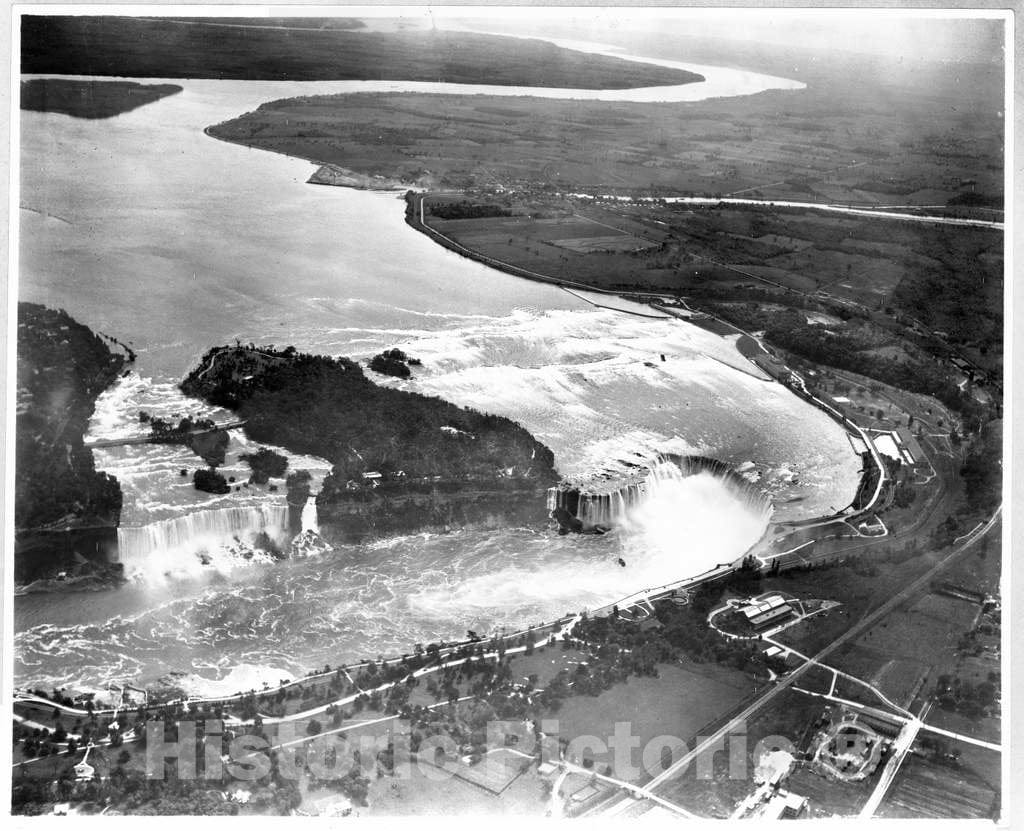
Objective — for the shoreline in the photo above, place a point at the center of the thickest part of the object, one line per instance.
(745, 340)
(649, 593)
(747, 345)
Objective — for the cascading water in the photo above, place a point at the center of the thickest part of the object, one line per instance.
(175, 545)
(692, 518)
(609, 504)
(310, 521)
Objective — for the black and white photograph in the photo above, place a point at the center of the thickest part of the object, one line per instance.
(584, 413)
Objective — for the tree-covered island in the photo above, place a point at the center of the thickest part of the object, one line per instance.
(401, 460)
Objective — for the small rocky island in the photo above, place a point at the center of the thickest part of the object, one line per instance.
(401, 461)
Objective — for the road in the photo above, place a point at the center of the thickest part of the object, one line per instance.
(899, 751)
(639, 790)
(849, 210)
(786, 681)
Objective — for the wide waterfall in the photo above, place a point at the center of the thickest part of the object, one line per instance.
(181, 543)
(603, 504)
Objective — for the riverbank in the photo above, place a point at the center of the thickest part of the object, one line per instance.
(66, 512)
(746, 344)
(334, 176)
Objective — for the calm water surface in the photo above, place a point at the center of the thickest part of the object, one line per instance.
(143, 227)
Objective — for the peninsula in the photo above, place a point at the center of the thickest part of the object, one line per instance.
(306, 50)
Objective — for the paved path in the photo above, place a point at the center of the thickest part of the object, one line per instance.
(904, 741)
(786, 681)
(638, 790)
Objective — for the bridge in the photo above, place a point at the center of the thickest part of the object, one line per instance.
(227, 425)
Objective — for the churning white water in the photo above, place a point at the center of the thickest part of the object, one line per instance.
(171, 546)
(689, 524)
(310, 520)
(143, 227)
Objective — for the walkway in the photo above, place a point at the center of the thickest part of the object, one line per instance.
(712, 742)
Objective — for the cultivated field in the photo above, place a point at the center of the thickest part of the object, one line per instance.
(678, 703)
(920, 140)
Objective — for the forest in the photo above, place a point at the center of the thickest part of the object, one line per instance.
(327, 407)
(62, 368)
(788, 330)
(131, 47)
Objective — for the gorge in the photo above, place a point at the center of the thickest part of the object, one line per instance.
(574, 376)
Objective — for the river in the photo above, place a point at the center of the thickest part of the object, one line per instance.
(143, 227)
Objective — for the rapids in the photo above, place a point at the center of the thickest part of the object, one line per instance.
(143, 227)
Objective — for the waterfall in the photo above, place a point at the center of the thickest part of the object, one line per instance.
(309, 516)
(173, 545)
(603, 503)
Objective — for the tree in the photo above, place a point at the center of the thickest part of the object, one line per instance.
(210, 481)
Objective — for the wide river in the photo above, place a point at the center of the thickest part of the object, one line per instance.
(143, 227)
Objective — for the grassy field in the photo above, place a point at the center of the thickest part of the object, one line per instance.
(791, 717)
(872, 292)
(929, 789)
(305, 51)
(912, 141)
(678, 703)
(422, 796)
(902, 292)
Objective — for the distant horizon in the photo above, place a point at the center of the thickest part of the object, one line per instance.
(951, 35)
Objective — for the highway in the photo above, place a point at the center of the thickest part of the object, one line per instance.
(786, 681)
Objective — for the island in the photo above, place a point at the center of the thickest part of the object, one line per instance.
(401, 461)
(65, 511)
(88, 98)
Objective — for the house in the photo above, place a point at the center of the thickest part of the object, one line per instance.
(771, 611)
(335, 805)
(784, 805)
(770, 618)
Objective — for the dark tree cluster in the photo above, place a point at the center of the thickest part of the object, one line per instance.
(983, 469)
(841, 350)
(393, 362)
(62, 367)
(466, 210)
(265, 464)
(210, 481)
(327, 407)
